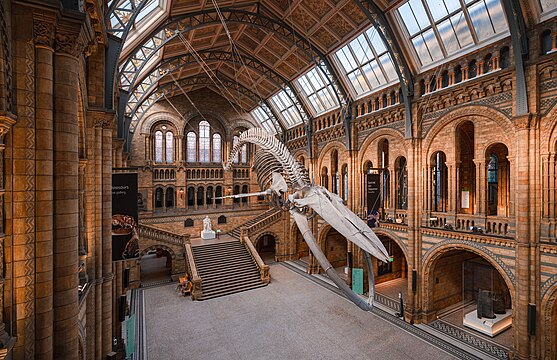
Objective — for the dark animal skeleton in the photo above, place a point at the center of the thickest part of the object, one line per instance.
(286, 185)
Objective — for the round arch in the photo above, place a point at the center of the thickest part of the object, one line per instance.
(391, 235)
(549, 324)
(387, 132)
(429, 259)
(470, 111)
(153, 119)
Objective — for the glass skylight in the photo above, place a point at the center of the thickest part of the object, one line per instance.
(319, 93)
(440, 28)
(366, 63)
(286, 108)
(264, 119)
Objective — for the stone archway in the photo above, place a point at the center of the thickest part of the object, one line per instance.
(549, 321)
(454, 274)
(266, 243)
(153, 255)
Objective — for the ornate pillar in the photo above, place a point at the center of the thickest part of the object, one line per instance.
(107, 236)
(479, 203)
(70, 42)
(43, 28)
(98, 144)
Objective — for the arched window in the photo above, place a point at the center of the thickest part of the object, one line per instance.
(439, 178)
(244, 153)
(218, 193)
(385, 178)
(498, 180)
(245, 191)
(217, 148)
(334, 171)
(325, 177)
(169, 147)
(204, 141)
(200, 195)
(170, 198)
(191, 140)
(235, 140)
(401, 183)
(345, 182)
(209, 195)
(236, 192)
(158, 146)
(159, 198)
(191, 196)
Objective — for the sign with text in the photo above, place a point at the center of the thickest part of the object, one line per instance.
(373, 199)
(358, 281)
(130, 335)
(125, 235)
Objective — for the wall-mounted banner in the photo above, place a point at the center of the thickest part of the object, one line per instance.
(373, 199)
(125, 235)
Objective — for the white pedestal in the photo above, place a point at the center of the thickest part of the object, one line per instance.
(486, 326)
(207, 235)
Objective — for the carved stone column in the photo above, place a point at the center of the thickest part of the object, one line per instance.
(70, 42)
(44, 28)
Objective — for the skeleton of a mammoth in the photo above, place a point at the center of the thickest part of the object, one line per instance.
(286, 184)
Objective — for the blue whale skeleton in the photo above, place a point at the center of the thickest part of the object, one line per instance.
(285, 184)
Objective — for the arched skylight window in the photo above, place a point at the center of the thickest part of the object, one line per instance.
(440, 28)
(366, 63)
(217, 148)
(286, 108)
(191, 140)
(319, 93)
(169, 147)
(204, 141)
(158, 146)
(264, 119)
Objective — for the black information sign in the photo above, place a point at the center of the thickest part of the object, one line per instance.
(125, 234)
(373, 199)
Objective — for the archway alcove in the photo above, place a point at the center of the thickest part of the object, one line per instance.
(265, 246)
(455, 281)
(155, 265)
(391, 278)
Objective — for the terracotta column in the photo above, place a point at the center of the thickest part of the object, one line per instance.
(44, 37)
(107, 236)
(99, 333)
(66, 187)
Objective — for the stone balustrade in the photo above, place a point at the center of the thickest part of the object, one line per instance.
(197, 291)
(263, 268)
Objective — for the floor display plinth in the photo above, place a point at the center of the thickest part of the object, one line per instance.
(487, 326)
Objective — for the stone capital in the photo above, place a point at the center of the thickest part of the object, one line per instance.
(44, 28)
(6, 123)
(70, 39)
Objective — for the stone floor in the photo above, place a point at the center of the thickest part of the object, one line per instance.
(291, 318)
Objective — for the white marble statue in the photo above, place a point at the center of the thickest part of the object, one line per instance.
(207, 232)
(207, 224)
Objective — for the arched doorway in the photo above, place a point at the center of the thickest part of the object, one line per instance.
(336, 251)
(391, 278)
(465, 289)
(155, 265)
(302, 249)
(553, 331)
(265, 246)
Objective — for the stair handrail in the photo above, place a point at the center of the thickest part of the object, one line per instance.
(264, 215)
(263, 222)
(263, 268)
(162, 235)
(197, 290)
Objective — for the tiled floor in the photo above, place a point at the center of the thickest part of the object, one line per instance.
(291, 318)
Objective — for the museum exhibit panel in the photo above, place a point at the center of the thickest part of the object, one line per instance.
(399, 153)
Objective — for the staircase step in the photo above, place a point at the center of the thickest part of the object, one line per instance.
(230, 284)
(209, 275)
(213, 295)
(208, 262)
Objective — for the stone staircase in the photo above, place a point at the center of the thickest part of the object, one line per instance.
(226, 268)
(235, 233)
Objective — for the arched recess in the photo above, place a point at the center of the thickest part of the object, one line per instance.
(174, 270)
(334, 246)
(429, 262)
(297, 242)
(266, 244)
(469, 112)
(549, 319)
